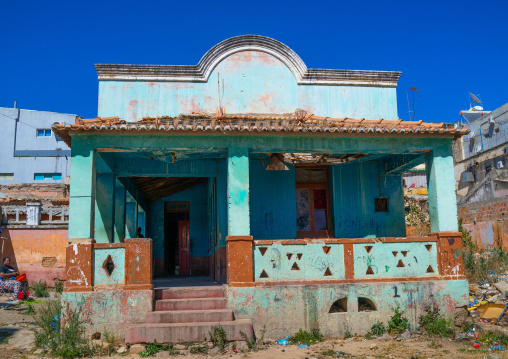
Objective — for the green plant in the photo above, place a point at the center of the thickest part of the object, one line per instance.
(29, 310)
(199, 349)
(110, 339)
(252, 343)
(218, 337)
(40, 289)
(435, 345)
(304, 337)
(4, 337)
(434, 324)
(61, 331)
(59, 286)
(397, 323)
(153, 348)
(378, 329)
(490, 338)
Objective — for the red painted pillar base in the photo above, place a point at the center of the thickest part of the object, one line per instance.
(240, 270)
(449, 245)
(79, 265)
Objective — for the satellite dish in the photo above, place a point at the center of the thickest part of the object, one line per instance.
(475, 99)
(477, 108)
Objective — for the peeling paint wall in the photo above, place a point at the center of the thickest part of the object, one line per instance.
(245, 90)
(38, 252)
(276, 306)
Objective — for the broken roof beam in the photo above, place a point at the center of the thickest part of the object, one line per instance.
(400, 168)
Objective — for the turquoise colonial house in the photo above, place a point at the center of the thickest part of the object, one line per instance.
(280, 181)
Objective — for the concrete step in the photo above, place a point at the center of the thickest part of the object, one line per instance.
(190, 304)
(190, 316)
(185, 332)
(190, 292)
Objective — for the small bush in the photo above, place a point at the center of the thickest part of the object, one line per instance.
(434, 324)
(40, 289)
(110, 339)
(29, 310)
(218, 337)
(397, 323)
(153, 348)
(252, 343)
(304, 337)
(490, 339)
(59, 286)
(199, 349)
(61, 331)
(378, 329)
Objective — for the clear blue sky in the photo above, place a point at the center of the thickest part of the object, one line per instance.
(444, 48)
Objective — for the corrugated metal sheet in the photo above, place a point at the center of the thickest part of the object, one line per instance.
(415, 180)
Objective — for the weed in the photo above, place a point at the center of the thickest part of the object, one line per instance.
(110, 339)
(397, 323)
(218, 337)
(435, 345)
(189, 344)
(304, 337)
(329, 353)
(59, 286)
(199, 350)
(233, 346)
(4, 337)
(434, 324)
(153, 348)
(40, 289)
(29, 310)
(252, 343)
(61, 332)
(491, 338)
(368, 335)
(378, 329)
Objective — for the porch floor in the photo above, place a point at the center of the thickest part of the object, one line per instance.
(183, 281)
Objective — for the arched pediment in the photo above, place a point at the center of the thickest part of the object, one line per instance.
(201, 72)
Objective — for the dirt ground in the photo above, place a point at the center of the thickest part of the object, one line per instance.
(17, 342)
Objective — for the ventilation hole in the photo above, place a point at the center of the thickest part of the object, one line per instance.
(404, 253)
(108, 266)
(299, 255)
(326, 249)
(339, 306)
(369, 271)
(289, 255)
(400, 264)
(327, 272)
(263, 275)
(262, 250)
(395, 253)
(366, 305)
(429, 247)
(430, 270)
(295, 267)
(368, 249)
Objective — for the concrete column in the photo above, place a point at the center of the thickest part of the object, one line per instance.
(119, 227)
(104, 207)
(82, 190)
(441, 187)
(238, 192)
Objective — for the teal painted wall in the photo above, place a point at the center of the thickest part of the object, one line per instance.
(354, 187)
(272, 202)
(199, 228)
(100, 256)
(254, 82)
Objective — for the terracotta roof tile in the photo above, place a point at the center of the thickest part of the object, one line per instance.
(292, 122)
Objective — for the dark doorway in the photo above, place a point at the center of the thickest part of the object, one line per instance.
(176, 238)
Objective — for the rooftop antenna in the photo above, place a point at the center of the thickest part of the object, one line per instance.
(475, 99)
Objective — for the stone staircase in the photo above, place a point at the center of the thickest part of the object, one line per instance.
(187, 314)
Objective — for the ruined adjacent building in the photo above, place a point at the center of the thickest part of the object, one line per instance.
(281, 181)
(482, 178)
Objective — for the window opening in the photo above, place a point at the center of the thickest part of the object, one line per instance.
(47, 176)
(44, 132)
(366, 305)
(381, 204)
(339, 306)
(6, 176)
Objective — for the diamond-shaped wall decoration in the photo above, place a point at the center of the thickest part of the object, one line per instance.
(109, 266)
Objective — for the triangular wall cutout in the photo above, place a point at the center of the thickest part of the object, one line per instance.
(430, 270)
(369, 271)
(368, 249)
(262, 250)
(400, 264)
(289, 255)
(299, 255)
(263, 275)
(328, 272)
(395, 253)
(326, 249)
(429, 247)
(295, 267)
(404, 253)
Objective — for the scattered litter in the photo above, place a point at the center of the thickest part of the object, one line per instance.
(303, 346)
(497, 347)
(476, 345)
(283, 341)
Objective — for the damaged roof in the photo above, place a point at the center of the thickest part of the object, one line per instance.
(297, 123)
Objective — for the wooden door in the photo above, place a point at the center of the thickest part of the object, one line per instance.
(183, 248)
